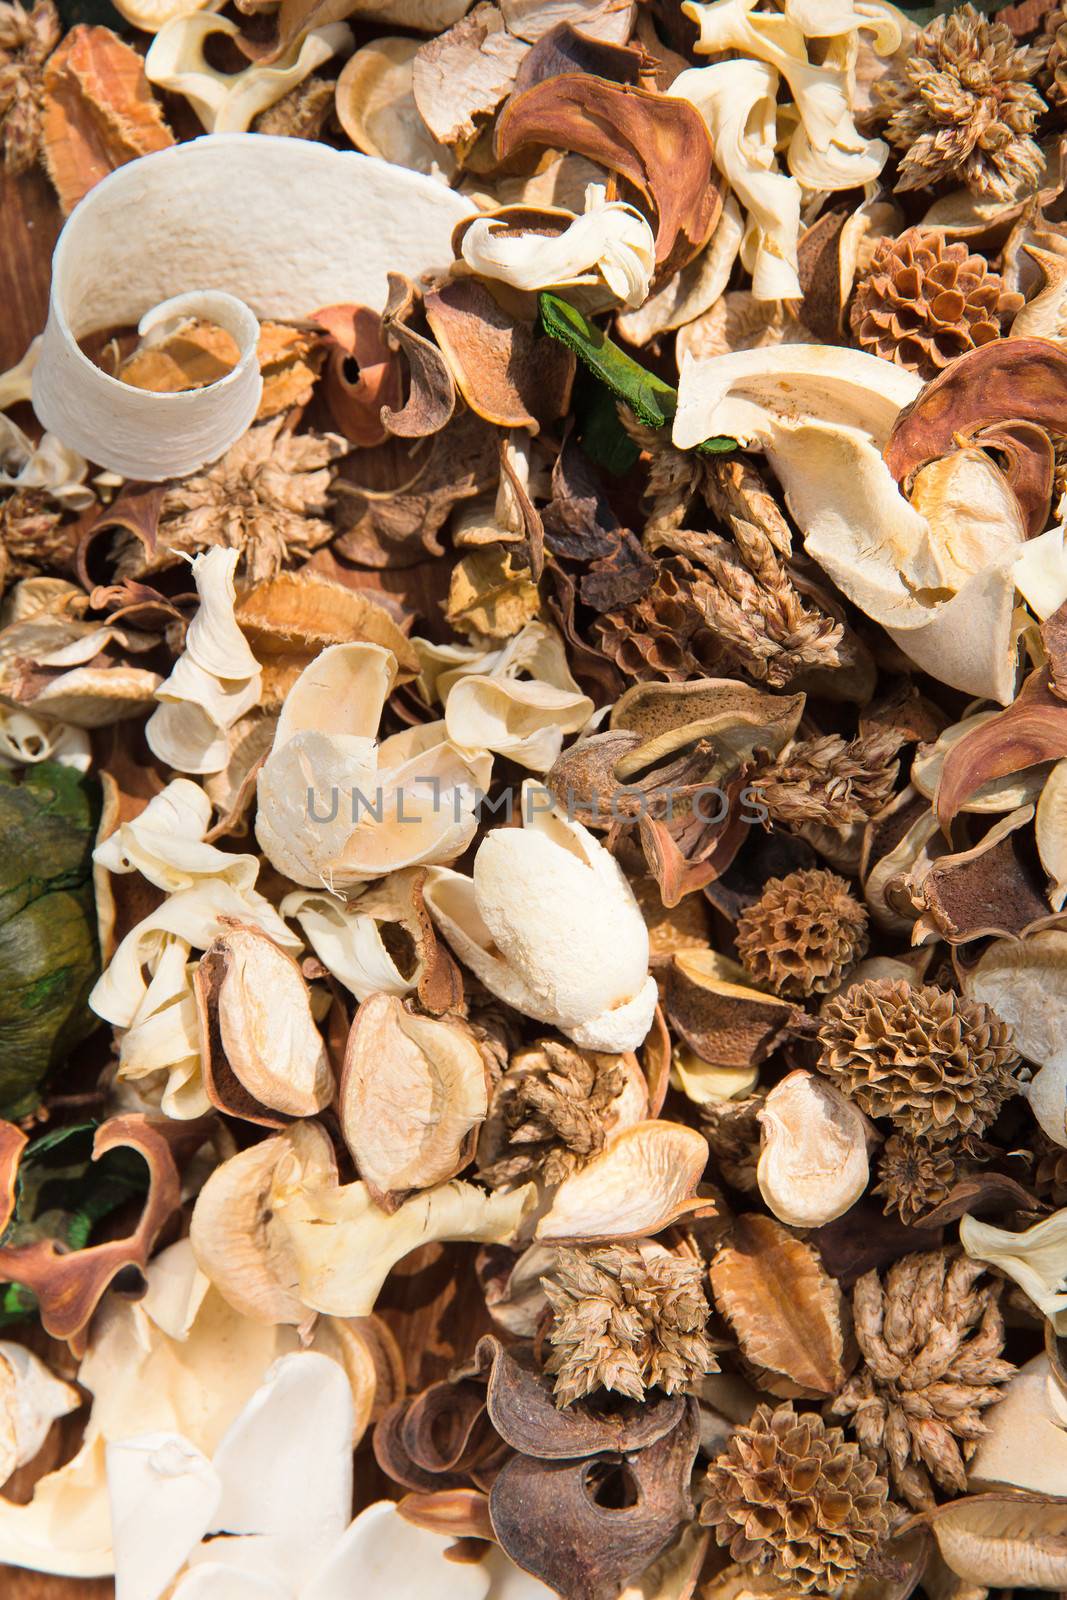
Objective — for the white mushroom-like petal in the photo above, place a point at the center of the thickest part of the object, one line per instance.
(738, 100)
(49, 465)
(223, 211)
(31, 1399)
(644, 1179)
(1036, 1260)
(164, 1494)
(349, 942)
(165, 843)
(1040, 571)
(25, 740)
(1050, 826)
(214, 681)
(550, 925)
(695, 289)
(612, 239)
(813, 1151)
(227, 102)
(381, 1554)
(1025, 982)
(375, 105)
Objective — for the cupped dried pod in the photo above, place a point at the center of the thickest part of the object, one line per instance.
(375, 105)
(813, 1162)
(1025, 983)
(263, 1057)
(996, 794)
(1050, 828)
(725, 1022)
(1002, 1540)
(644, 1179)
(993, 888)
(231, 1230)
(549, 924)
(414, 1092)
(31, 1398)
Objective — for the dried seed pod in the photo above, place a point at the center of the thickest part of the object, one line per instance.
(414, 1091)
(263, 1057)
(813, 1151)
(803, 933)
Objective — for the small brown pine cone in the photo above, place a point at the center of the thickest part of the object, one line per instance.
(941, 1066)
(662, 635)
(789, 1494)
(923, 302)
(1053, 41)
(1049, 1181)
(914, 1176)
(803, 933)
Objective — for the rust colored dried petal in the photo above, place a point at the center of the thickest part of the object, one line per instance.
(563, 49)
(993, 888)
(725, 1024)
(1032, 730)
(69, 1285)
(356, 404)
(784, 1308)
(98, 111)
(559, 1520)
(433, 1441)
(505, 372)
(452, 1513)
(136, 510)
(1010, 380)
(432, 396)
(661, 145)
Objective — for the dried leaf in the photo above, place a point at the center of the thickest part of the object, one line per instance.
(504, 372)
(1031, 730)
(432, 395)
(784, 1309)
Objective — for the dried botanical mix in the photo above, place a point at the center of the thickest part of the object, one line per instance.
(533, 754)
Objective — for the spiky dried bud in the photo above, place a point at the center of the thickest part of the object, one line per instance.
(923, 302)
(931, 1342)
(627, 1318)
(554, 1102)
(830, 781)
(803, 933)
(940, 1065)
(961, 107)
(790, 1494)
(914, 1176)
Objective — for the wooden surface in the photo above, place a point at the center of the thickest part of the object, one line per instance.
(31, 224)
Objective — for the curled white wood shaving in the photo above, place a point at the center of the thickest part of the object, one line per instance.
(693, 290)
(268, 224)
(228, 102)
(215, 680)
(611, 239)
(16, 383)
(165, 844)
(347, 939)
(1035, 1259)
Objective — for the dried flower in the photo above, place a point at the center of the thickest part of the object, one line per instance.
(914, 1176)
(732, 1130)
(262, 499)
(1049, 1180)
(555, 1102)
(803, 933)
(661, 635)
(961, 107)
(789, 1494)
(931, 1344)
(941, 1066)
(831, 781)
(626, 1318)
(1052, 42)
(32, 537)
(27, 38)
(923, 302)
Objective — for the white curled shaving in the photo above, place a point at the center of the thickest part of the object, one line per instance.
(275, 227)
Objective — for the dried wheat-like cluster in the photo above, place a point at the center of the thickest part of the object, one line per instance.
(791, 1495)
(628, 1320)
(941, 1066)
(803, 933)
(553, 1105)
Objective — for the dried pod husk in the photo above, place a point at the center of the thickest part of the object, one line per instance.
(899, 844)
(550, 1519)
(644, 1179)
(31, 1398)
(1025, 982)
(376, 107)
(990, 889)
(1003, 1540)
(438, 1438)
(231, 1230)
(787, 1313)
(813, 1151)
(414, 1092)
(726, 1022)
(998, 794)
(1032, 730)
(1024, 1443)
(263, 1057)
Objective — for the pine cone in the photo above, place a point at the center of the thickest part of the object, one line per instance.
(627, 1318)
(923, 302)
(1052, 43)
(802, 934)
(1049, 1181)
(914, 1176)
(931, 1343)
(662, 635)
(939, 1065)
(790, 1494)
(553, 1105)
(962, 109)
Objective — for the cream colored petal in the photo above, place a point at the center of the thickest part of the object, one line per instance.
(1047, 1094)
(349, 943)
(813, 1152)
(16, 384)
(31, 1399)
(1025, 982)
(26, 740)
(1036, 1260)
(692, 291)
(376, 107)
(1040, 571)
(611, 20)
(1051, 829)
(310, 793)
(515, 718)
(165, 843)
(222, 211)
(344, 1246)
(1023, 1444)
(164, 1493)
(612, 239)
(643, 1180)
(382, 1554)
(342, 691)
(227, 102)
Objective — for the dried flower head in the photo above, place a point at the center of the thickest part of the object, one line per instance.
(264, 499)
(555, 1103)
(662, 635)
(914, 1176)
(27, 39)
(1049, 1179)
(789, 1494)
(962, 107)
(803, 933)
(33, 537)
(627, 1318)
(940, 1065)
(922, 302)
(732, 1129)
(831, 781)
(931, 1343)
(1052, 42)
